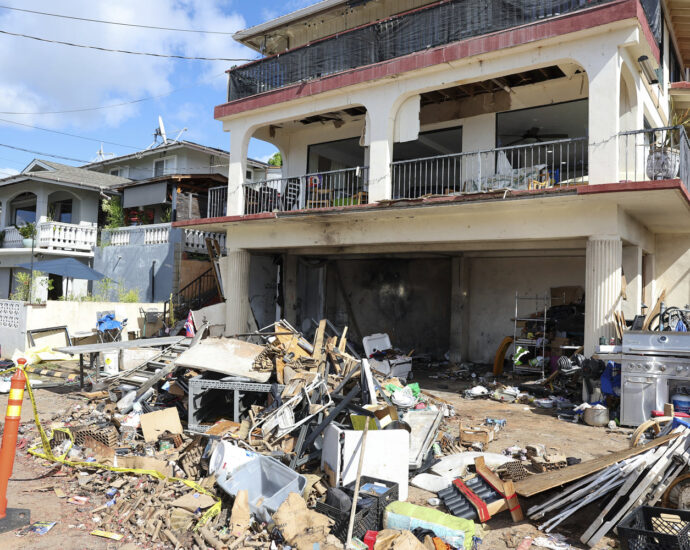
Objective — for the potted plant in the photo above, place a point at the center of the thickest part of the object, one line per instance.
(28, 233)
(663, 160)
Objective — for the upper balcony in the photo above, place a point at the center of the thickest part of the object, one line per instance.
(192, 240)
(55, 236)
(414, 31)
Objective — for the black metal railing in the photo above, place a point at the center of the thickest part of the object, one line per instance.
(534, 166)
(395, 37)
(195, 295)
(654, 154)
(217, 201)
(345, 187)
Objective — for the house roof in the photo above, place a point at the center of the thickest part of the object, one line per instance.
(243, 35)
(167, 147)
(47, 170)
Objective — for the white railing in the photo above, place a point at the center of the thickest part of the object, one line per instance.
(66, 236)
(157, 234)
(55, 236)
(195, 240)
(12, 238)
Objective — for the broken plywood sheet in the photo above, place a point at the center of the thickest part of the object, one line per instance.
(154, 424)
(226, 356)
(539, 483)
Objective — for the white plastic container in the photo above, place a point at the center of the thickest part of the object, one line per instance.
(111, 362)
(227, 457)
(399, 366)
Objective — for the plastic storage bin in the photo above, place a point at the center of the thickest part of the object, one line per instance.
(651, 528)
(268, 482)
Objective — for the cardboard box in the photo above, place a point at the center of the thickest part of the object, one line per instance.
(561, 295)
(384, 413)
(480, 434)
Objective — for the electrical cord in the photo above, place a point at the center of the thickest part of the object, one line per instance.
(114, 22)
(100, 48)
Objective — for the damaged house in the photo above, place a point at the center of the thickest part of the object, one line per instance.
(444, 159)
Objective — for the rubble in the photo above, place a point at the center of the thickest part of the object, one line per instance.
(282, 441)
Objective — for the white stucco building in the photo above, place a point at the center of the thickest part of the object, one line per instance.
(440, 157)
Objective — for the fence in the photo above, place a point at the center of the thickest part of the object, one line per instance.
(398, 36)
(533, 166)
(317, 190)
(654, 154)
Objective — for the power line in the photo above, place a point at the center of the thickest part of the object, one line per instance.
(42, 154)
(70, 135)
(99, 48)
(115, 22)
(102, 107)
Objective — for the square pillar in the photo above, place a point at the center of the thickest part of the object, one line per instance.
(632, 269)
(459, 309)
(602, 288)
(235, 269)
(290, 289)
(604, 122)
(239, 144)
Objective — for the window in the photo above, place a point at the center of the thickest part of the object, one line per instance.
(164, 166)
(61, 211)
(115, 171)
(24, 209)
(248, 175)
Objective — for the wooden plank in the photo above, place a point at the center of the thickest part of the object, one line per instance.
(318, 341)
(343, 341)
(655, 310)
(539, 483)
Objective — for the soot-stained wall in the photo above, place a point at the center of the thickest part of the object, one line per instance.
(407, 298)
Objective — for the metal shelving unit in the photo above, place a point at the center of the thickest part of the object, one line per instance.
(540, 303)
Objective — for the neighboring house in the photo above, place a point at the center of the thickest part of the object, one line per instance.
(63, 202)
(177, 180)
(440, 157)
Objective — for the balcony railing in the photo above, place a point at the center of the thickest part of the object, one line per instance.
(217, 201)
(317, 190)
(56, 236)
(394, 37)
(534, 166)
(654, 154)
(159, 234)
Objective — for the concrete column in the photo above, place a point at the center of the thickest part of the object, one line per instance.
(290, 288)
(649, 296)
(604, 122)
(236, 288)
(4, 214)
(239, 143)
(41, 205)
(632, 269)
(459, 309)
(602, 288)
(381, 113)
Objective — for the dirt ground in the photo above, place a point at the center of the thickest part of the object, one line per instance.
(33, 480)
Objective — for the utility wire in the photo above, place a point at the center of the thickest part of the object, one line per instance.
(101, 107)
(42, 154)
(70, 135)
(167, 56)
(115, 22)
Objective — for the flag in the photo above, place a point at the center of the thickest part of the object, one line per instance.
(189, 326)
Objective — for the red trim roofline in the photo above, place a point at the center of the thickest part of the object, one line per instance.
(586, 19)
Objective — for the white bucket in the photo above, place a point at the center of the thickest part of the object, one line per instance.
(111, 362)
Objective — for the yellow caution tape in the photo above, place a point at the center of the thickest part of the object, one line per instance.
(47, 454)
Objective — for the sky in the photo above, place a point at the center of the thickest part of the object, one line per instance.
(38, 78)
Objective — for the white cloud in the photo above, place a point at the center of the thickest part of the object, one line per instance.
(7, 172)
(48, 77)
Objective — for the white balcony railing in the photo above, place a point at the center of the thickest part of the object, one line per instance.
(160, 233)
(56, 236)
(195, 240)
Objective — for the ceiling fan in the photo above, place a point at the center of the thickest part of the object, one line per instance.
(534, 133)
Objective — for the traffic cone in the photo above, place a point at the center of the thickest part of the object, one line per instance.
(12, 518)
